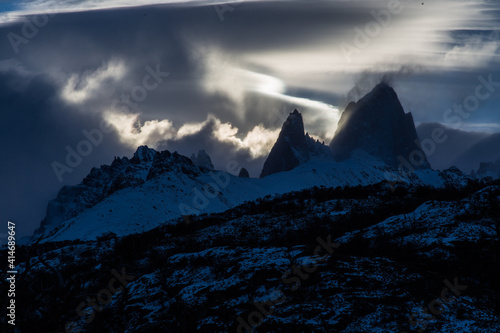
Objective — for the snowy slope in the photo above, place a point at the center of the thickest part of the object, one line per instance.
(436, 226)
(205, 278)
(170, 195)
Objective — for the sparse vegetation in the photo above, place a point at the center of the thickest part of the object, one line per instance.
(283, 222)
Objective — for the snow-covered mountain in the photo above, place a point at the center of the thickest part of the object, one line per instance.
(99, 184)
(154, 188)
(318, 244)
(202, 160)
(171, 186)
(378, 125)
(293, 147)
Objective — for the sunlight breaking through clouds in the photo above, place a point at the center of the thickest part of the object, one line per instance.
(79, 88)
(133, 132)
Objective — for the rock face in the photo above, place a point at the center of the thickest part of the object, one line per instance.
(244, 173)
(101, 182)
(378, 125)
(143, 154)
(292, 148)
(203, 160)
(167, 162)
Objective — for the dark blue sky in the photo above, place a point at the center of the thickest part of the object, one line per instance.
(6, 6)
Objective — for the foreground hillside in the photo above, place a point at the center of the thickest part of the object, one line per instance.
(348, 259)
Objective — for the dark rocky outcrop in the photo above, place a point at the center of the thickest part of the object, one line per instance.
(378, 125)
(244, 173)
(292, 148)
(101, 182)
(203, 160)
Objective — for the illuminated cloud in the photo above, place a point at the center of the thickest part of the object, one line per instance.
(223, 76)
(79, 88)
(259, 141)
(133, 133)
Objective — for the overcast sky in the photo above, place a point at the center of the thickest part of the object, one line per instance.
(222, 76)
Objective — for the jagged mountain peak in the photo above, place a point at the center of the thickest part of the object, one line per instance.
(293, 147)
(378, 124)
(293, 128)
(165, 161)
(102, 182)
(244, 173)
(290, 150)
(144, 154)
(202, 160)
(383, 87)
(384, 95)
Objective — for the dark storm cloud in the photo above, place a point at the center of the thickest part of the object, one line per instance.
(34, 131)
(250, 26)
(150, 36)
(215, 67)
(368, 79)
(79, 42)
(37, 125)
